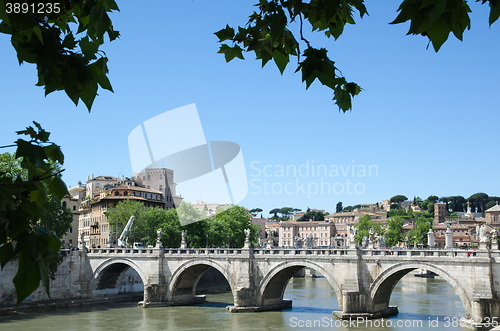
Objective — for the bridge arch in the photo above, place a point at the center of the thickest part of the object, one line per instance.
(108, 272)
(382, 287)
(182, 284)
(272, 287)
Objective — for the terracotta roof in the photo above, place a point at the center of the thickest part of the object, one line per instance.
(494, 208)
(120, 197)
(104, 178)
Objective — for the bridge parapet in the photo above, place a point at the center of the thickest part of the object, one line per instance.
(332, 252)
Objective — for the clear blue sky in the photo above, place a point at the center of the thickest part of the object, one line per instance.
(428, 122)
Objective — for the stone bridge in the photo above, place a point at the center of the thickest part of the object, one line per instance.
(362, 279)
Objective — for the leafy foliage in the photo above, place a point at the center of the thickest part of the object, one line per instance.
(25, 199)
(316, 216)
(70, 59)
(421, 226)
(47, 39)
(228, 224)
(255, 211)
(364, 225)
(394, 232)
(398, 199)
(268, 34)
(338, 207)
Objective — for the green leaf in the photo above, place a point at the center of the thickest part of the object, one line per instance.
(494, 11)
(38, 196)
(69, 41)
(89, 47)
(225, 34)
(32, 154)
(27, 278)
(54, 153)
(58, 187)
(103, 24)
(6, 254)
(281, 60)
(231, 52)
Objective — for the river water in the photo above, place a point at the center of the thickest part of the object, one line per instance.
(424, 304)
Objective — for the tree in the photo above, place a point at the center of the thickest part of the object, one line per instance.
(489, 205)
(445, 200)
(26, 201)
(398, 199)
(420, 229)
(232, 223)
(119, 215)
(285, 213)
(255, 211)
(78, 66)
(457, 203)
(275, 211)
(479, 200)
(417, 201)
(318, 217)
(338, 208)
(57, 219)
(433, 198)
(11, 167)
(364, 225)
(394, 206)
(394, 233)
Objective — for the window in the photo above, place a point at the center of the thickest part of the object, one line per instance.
(125, 193)
(149, 177)
(97, 185)
(64, 204)
(143, 177)
(70, 230)
(71, 242)
(74, 207)
(161, 187)
(161, 177)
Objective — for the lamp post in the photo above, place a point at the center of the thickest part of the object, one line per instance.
(207, 240)
(227, 241)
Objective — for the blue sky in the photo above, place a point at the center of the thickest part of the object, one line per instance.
(428, 122)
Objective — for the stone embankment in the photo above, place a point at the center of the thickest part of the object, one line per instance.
(29, 307)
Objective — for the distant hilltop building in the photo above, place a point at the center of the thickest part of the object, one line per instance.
(209, 209)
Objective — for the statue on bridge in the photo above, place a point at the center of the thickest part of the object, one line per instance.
(494, 235)
(483, 236)
(352, 233)
(298, 241)
(309, 241)
(365, 242)
(183, 242)
(371, 234)
(270, 238)
(381, 241)
(247, 238)
(159, 233)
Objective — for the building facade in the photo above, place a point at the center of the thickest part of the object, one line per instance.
(72, 202)
(106, 192)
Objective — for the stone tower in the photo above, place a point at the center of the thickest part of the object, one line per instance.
(439, 212)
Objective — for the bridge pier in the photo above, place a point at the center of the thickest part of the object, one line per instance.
(482, 312)
(354, 306)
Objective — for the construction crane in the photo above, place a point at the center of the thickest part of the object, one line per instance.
(123, 240)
